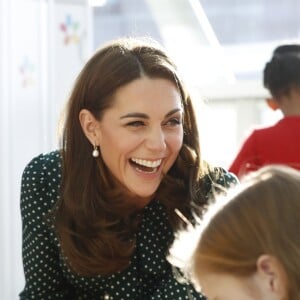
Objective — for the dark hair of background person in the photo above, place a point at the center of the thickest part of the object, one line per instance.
(282, 72)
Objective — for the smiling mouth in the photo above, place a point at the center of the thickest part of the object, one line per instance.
(146, 166)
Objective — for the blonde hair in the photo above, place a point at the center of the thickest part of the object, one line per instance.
(261, 216)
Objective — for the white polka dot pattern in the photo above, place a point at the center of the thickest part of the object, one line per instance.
(149, 275)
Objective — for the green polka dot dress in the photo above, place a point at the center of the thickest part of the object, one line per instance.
(149, 275)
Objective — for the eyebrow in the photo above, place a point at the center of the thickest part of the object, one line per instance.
(144, 116)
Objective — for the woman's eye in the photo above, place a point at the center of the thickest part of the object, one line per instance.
(135, 123)
(173, 122)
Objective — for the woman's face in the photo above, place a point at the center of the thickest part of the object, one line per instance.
(141, 134)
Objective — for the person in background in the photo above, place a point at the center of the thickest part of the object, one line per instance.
(280, 143)
(247, 244)
(98, 214)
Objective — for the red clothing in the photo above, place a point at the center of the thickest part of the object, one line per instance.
(278, 144)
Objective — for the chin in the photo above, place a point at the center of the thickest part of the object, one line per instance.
(147, 192)
(145, 195)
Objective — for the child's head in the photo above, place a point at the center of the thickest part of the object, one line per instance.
(281, 77)
(249, 241)
(282, 72)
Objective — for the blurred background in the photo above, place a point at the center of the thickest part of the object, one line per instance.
(220, 46)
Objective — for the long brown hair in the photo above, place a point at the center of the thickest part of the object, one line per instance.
(262, 217)
(95, 223)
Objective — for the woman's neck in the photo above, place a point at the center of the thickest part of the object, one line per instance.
(140, 202)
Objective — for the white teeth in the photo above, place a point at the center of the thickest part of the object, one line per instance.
(147, 163)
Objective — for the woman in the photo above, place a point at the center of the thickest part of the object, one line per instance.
(130, 155)
(247, 246)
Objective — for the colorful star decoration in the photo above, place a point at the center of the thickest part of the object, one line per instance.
(70, 30)
(27, 71)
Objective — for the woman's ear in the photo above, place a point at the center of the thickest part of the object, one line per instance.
(90, 126)
(272, 277)
(272, 103)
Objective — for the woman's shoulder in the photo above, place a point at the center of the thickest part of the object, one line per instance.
(220, 178)
(44, 163)
(225, 178)
(215, 180)
(41, 180)
(40, 186)
(53, 157)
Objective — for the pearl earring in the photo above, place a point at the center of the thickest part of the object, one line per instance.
(95, 152)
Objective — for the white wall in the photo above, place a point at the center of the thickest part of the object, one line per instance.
(43, 45)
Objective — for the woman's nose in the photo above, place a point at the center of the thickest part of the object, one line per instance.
(156, 140)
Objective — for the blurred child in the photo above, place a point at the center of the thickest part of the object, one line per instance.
(248, 243)
(280, 143)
